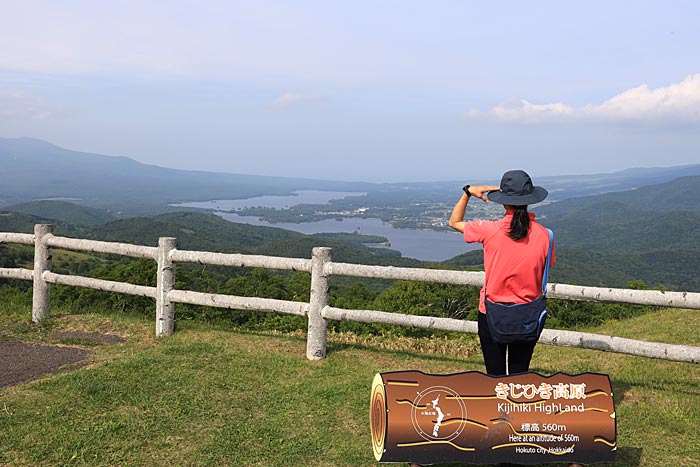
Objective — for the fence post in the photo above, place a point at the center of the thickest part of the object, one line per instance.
(316, 335)
(165, 282)
(41, 294)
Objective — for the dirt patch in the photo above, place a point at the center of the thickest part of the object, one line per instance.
(95, 337)
(20, 362)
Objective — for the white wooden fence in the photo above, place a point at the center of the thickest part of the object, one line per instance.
(318, 309)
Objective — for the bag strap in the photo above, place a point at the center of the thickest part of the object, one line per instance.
(546, 266)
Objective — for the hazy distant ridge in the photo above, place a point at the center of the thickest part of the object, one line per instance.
(33, 169)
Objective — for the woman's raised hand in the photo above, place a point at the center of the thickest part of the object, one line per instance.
(480, 191)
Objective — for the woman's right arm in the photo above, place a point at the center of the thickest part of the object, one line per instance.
(457, 217)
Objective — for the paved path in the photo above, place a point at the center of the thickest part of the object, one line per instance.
(20, 362)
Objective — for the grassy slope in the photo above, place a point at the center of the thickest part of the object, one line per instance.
(208, 396)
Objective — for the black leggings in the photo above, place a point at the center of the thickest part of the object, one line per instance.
(519, 355)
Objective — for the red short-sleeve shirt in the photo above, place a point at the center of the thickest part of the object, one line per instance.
(513, 268)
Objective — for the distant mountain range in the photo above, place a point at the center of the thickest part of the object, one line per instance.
(32, 169)
(576, 186)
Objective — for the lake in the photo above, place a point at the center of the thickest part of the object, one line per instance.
(277, 202)
(427, 245)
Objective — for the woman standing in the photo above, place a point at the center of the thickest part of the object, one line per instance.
(515, 252)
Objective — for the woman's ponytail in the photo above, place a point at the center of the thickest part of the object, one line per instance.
(520, 223)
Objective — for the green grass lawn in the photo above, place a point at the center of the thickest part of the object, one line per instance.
(211, 396)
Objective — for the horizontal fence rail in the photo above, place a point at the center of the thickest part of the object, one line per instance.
(94, 246)
(680, 353)
(16, 273)
(239, 303)
(11, 237)
(561, 291)
(584, 340)
(100, 284)
(238, 260)
(410, 274)
(635, 297)
(397, 319)
(318, 310)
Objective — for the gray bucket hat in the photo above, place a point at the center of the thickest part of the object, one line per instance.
(517, 190)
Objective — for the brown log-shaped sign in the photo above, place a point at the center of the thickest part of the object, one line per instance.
(479, 419)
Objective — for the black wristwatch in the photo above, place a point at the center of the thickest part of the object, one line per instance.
(466, 190)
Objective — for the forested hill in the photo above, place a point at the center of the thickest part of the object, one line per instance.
(680, 194)
(650, 234)
(664, 216)
(63, 211)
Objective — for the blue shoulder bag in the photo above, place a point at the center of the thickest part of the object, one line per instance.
(523, 322)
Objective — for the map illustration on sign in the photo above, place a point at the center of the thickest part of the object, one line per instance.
(439, 418)
(437, 415)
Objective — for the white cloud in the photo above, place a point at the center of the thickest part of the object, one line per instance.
(676, 103)
(15, 104)
(292, 99)
(523, 112)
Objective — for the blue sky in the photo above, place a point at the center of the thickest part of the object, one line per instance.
(362, 90)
